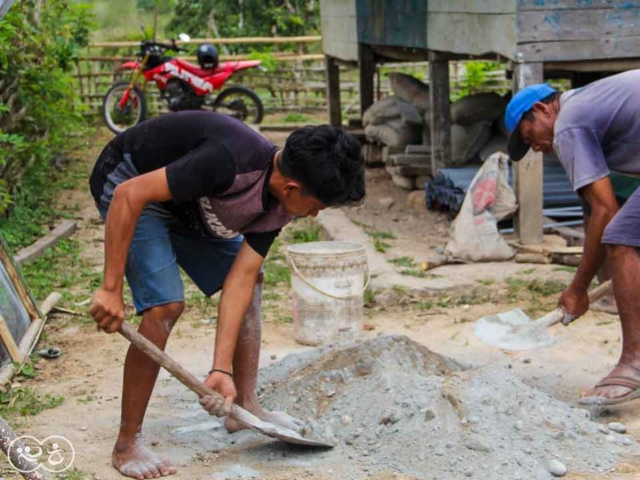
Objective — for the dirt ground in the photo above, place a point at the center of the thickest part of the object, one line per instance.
(89, 373)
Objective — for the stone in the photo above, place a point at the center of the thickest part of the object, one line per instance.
(477, 446)
(429, 414)
(417, 200)
(627, 441)
(602, 429)
(386, 202)
(610, 439)
(346, 420)
(274, 356)
(557, 468)
(617, 427)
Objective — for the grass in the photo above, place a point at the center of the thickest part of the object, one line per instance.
(305, 230)
(25, 401)
(296, 117)
(380, 246)
(75, 474)
(566, 269)
(486, 281)
(403, 262)
(416, 272)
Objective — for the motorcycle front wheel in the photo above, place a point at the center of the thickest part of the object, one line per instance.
(241, 103)
(118, 118)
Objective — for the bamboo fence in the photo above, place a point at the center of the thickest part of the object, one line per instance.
(297, 83)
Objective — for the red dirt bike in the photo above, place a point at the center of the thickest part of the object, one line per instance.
(183, 86)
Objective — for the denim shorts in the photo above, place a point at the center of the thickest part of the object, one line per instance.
(159, 246)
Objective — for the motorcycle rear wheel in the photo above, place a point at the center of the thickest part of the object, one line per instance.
(117, 118)
(241, 103)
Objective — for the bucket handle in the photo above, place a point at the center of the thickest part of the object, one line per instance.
(329, 294)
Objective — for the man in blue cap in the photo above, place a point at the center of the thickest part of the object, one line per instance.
(594, 131)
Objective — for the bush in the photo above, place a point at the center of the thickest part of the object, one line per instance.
(38, 47)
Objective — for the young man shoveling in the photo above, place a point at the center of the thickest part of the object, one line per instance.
(595, 130)
(206, 193)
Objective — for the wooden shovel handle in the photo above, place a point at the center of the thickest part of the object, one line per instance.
(165, 361)
(557, 315)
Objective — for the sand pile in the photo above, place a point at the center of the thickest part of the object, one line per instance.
(391, 405)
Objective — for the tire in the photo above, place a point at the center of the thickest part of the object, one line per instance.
(236, 107)
(110, 107)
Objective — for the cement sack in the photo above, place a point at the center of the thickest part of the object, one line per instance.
(477, 107)
(394, 133)
(391, 108)
(467, 140)
(489, 199)
(411, 90)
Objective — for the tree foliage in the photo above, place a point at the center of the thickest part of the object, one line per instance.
(38, 47)
(245, 18)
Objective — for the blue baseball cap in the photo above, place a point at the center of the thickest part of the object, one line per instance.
(520, 104)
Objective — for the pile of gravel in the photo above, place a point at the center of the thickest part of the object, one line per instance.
(391, 405)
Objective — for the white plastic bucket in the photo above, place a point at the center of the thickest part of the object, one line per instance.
(328, 280)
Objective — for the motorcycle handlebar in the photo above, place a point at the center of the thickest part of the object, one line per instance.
(165, 46)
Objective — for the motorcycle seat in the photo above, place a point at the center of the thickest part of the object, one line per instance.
(195, 69)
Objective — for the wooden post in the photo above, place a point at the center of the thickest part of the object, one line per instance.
(333, 90)
(367, 64)
(529, 220)
(440, 110)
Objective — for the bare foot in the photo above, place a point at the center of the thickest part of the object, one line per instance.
(137, 461)
(605, 304)
(621, 381)
(281, 419)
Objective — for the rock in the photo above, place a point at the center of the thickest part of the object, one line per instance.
(627, 441)
(346, 420)
(468, 473)
(387, 298)
(274, 356)
(429, 414)
(364, 366)
(526, 360)
(394, 418)
(368, 326)
(617, 427)
(477, 446)
(602, 429)
(417, 200)
(557, 468)
(387, 202)
(518, 425)
(611, 439)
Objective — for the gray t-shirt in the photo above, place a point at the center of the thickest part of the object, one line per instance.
(598, 129)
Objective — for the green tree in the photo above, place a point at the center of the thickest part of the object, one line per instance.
(245, 18)
(38, 47)
(164, 6)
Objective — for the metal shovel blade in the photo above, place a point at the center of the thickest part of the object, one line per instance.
(512, 330)
(271, 430)
(186, 378)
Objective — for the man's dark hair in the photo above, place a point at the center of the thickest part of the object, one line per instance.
(528, 115)
(327, 161)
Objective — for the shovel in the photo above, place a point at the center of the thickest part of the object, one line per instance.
(514, 330)
(241, 415)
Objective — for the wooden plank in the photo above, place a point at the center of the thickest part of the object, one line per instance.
(532, 5)
(440, 111)
(473, 7)
(12, 446)
(605, 65)
(583, 24)
(9, 342)
(472, 34)
(333, 91)
(528, 172)
(18, 282)
(367, 66)
(574, 50)
(65, 229)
